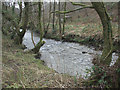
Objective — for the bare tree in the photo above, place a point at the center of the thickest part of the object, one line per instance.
(107, 32)
(41, 42)
(43, 17)
(49, 18)
(60, 31)
(13, 8)
(53, 27)
(64, 18)
(25, 22)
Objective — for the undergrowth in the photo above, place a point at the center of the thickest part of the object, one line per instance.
(103, 76)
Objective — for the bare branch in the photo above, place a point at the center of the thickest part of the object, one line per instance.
(79, 4)
(63, 12)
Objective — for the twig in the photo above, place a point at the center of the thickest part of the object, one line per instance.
(22, 84)
(32, 39)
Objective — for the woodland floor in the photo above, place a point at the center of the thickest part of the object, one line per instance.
(21, 69)
(83, 32)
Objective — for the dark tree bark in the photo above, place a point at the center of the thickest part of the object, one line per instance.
(24, 26)
(17, 25)
(48, 20)
(41, 42)
(20, 14)
(64, 18)
(53, 27)
(60, 31)
(43, 18)
(13, 8)
(107, 32)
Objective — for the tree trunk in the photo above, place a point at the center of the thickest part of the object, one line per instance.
(24, 26)
(43, 18)
(64, 19)
(40, 43)
(60, 33)
(13, 8)
(48, 20)
(53, 27)
(19, 25)
(107, 32)
(20, 14)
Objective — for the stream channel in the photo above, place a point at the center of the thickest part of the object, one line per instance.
(65, 57)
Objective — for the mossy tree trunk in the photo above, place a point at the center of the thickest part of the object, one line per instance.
(64, 19)
(13, 8)
(60, 32)
(43, 17)
(20, 14)
(107, 32)
(17, 35)
(46, 30)
(24, 26)
(40, 43)
(53, 21)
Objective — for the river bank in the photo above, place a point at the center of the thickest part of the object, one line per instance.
(21, 69)
(89, 34)
(65, 57)
(88, 41)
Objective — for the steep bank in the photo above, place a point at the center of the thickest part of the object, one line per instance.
(21, 69)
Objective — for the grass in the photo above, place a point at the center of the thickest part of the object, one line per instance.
(22, 70)
(85, 27)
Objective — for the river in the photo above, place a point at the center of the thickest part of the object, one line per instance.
(65, 57)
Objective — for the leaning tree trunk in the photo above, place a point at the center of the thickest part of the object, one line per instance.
(107, 32)
(40, 43)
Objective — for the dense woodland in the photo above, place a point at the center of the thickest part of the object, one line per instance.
(93, 24)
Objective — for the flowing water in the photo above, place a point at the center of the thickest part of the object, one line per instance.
(65, 57)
